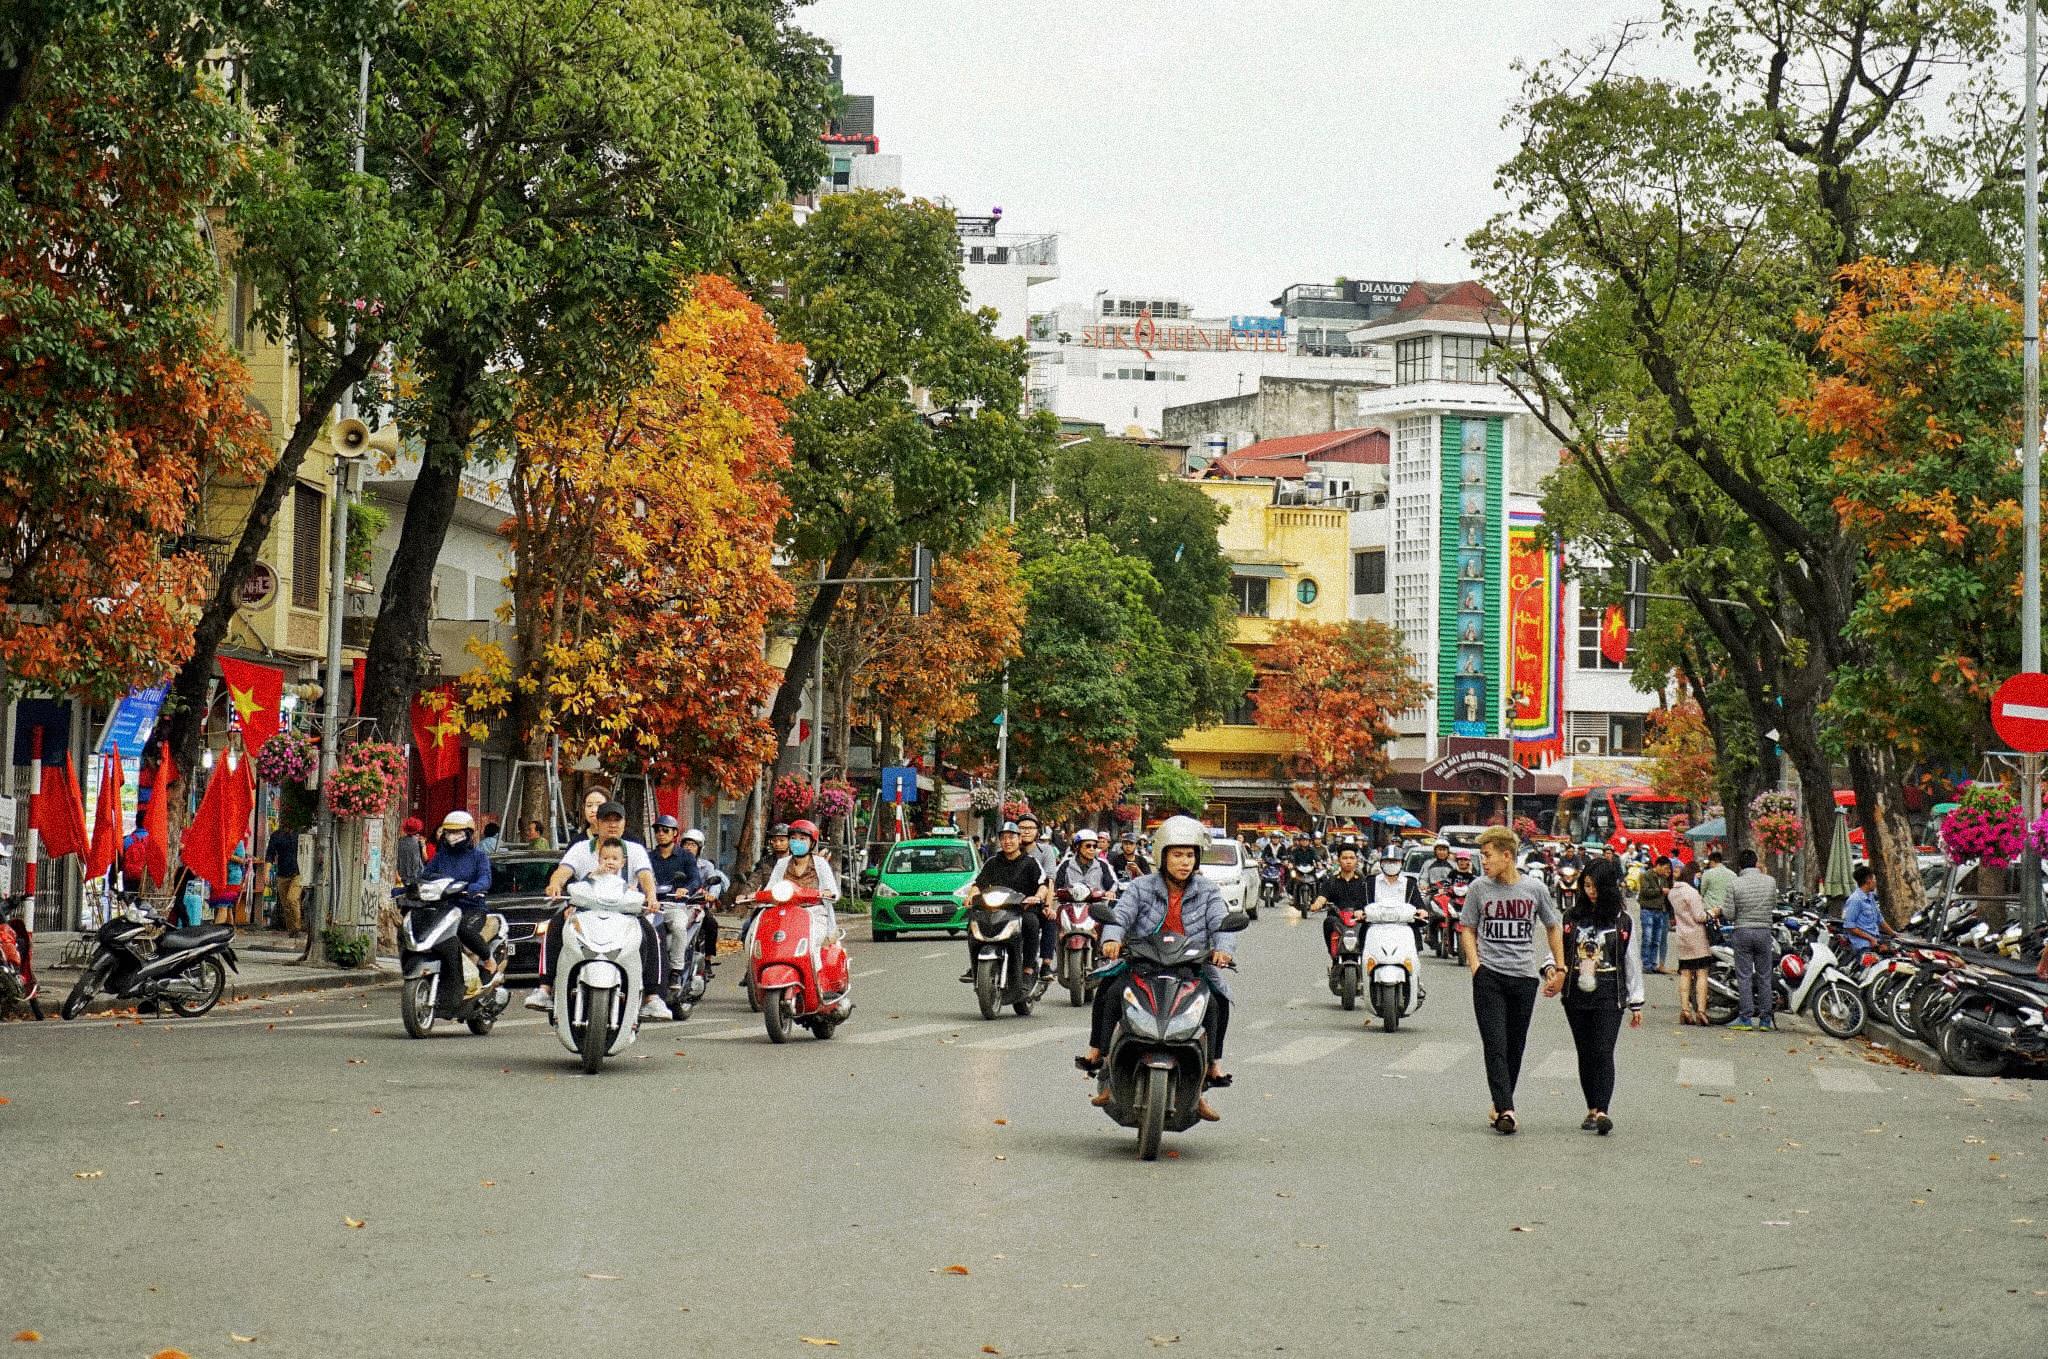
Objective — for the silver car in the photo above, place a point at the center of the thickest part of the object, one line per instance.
(1223, 863)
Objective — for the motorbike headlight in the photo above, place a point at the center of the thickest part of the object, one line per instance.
(1184, 1023)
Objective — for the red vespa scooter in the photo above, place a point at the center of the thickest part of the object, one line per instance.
(797, 965)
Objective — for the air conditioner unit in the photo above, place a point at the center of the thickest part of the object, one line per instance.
(1589, 745)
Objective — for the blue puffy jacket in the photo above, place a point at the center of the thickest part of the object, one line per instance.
(468, 865)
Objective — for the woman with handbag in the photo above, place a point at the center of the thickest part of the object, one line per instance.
(1695, 952)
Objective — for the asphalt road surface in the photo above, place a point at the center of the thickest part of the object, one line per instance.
(299, 1173)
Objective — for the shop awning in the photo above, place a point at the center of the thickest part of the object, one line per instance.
(1264, 570)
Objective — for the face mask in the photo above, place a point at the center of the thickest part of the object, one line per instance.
(799, 846)
(1391, 869)
(455, 839)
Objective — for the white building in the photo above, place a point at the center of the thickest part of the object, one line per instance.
(1000, 268)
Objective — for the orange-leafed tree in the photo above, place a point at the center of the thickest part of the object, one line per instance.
(1681, 751)
(643, 534)
(1338, 688)
(117, 398)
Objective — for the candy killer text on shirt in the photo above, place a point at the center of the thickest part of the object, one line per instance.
(1509, 920)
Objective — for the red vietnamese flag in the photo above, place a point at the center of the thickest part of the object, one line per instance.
(256, 692)
(156, 821)
(437, 734)
(106, 818)
(59, 812)
(1614, 635)
(222, 821)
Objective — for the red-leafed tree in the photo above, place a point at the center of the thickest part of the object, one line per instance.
(1681, 752)
(1337, 687)
(643, 540)
(117, 398)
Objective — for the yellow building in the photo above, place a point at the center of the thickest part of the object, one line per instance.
(1288, 562)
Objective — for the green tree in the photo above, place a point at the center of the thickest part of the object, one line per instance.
(910, 429)
(1173, 788)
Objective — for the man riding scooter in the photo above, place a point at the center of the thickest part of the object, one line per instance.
(1012, 870)
(580, 862)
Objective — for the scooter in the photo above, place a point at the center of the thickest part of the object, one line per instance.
(1272, 877)
(689, 974)
(1393, 963)
(597, 976)
(1307, 881)
(1347, 956)
(1158, 1058)
(1446, 903)
(797, 964)
(18, 986)
(995, 925)
(1080, 943)
(441, 979)
(1994, 1020)
(138, 956)
(1814, 983)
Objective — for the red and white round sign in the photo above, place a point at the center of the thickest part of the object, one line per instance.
(2019, 712)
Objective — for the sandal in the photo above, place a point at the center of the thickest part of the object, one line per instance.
(1504, 1122)
(1088, 1066)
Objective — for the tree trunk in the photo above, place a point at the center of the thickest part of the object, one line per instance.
(810, 636)
(1816, 786)
(1887, 838)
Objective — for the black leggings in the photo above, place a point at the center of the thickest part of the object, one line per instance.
(650, 953)
(1594, 1029)
(1503, 1005)
(1109, 996)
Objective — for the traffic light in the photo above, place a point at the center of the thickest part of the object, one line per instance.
(922, 560)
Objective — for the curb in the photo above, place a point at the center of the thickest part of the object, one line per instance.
(1910, 1048)
(237, 990)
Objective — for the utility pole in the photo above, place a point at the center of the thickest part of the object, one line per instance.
(2030, 452)
(1003, 722)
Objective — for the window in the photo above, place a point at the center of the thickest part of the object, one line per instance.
(1306, 591)
(1411, 361)
(1607, 582)
(1250, 592)
(1589, 641)
(1626, 738)
(930, 859)
(1369, 572)
(1462, 358)
(309, 519)
(1244, 712)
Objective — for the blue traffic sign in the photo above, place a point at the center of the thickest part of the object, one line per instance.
(899, 783)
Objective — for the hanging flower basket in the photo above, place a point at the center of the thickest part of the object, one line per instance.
(835, 799)
(1774, 820)
(369, 776)
(1526, 828)
(792, 795)
(1015, 808)
(1988, 826)
(982, 798)
(1125, 813)
(287, 758)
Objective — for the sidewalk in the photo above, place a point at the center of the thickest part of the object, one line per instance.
(268, 966)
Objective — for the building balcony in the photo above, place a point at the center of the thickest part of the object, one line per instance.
(1037, 255)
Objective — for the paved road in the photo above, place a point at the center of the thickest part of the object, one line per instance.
(714, 1195)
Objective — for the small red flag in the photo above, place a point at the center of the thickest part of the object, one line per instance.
(256, 692)
(156, 821)
(60, 812)
(1614, 635)
(222, 821)
(106, 818)
(437, 734)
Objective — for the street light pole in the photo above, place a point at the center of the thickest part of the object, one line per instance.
(2030, 450)
(1003, 722)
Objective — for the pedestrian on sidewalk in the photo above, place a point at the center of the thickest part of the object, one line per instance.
(1497, 934)
(1606, 979)
(412, 852)
(1695, 951)
(282, 854)
(1653, 903)
(1749, 908)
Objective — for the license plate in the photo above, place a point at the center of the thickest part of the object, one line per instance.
(925, 910)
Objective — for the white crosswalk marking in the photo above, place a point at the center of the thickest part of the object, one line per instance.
(1705, 1071)
(1030, 1038)
(727, 1035)
(907, 1031)
(1431, 1059)
(871, 972)
(1301, 1051)
(1846, 1081)
(1562, 1064)
(347, 1024)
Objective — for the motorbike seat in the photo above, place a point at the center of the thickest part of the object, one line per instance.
(194, 936)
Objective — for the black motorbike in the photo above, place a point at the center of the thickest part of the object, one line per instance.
(1158, 1058)
(690, 967)
(436, 973)
(1993, 1020)
(996, 927)
(1306, 883)
(138, 956)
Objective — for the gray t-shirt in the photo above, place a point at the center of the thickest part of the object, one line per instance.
(1503, 921)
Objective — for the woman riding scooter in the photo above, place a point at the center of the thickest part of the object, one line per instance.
(1176, 899)
(457, 856)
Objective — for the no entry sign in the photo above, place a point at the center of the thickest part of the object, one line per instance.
(2019, 712)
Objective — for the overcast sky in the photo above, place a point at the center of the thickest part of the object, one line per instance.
(1217, 150)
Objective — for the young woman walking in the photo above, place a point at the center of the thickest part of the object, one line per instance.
(1606, 969)
(1695, 954)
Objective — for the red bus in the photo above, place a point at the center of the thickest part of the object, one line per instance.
(1622, 815)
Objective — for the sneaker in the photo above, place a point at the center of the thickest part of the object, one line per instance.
(1742, 1026)
(1767, 1026)
(968, 976)
(540, 999)
(654, 1007)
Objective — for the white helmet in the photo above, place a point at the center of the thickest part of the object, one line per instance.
(1178, 832)
(693, 834)
(458, 820)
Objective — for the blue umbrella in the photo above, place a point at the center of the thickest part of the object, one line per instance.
(1396, 816)
(1715, 829)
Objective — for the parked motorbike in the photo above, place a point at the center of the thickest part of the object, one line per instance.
(689, 973)
(18, 986)
(597, 977)
(1080, 943)
(441, 980)
(798, 964)
(138, 956)
(1811, 981)
(1993, 1020)
(1158, 1056)
(996, 927)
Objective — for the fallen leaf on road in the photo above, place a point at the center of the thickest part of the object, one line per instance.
(1992, 1157)
(1519, 1228)
(131, 1103)
(4, 1099)
(1175, 1156)
(27, 1337)
(990, 1349)
(1777, 1222)
(269, 1027)
(379, 1111)
(88, 1174)
(1163, 1340)
(356, 1061)
(816, 1340)
(679, 1052)
(1727, 1099)
(1694, 1161)
(1920, 1201)
(1283, 1193)
(1002, 1123)
(242, 1339)
(608, 1278)
(954, 1269)
(1002, 1158)
(170, 1354)
(488, 1184)
(354, 1222)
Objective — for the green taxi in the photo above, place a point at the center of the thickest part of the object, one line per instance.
(919, 885)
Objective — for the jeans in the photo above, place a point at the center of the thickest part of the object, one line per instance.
(1503, 1005)
(1594, 1029)
(1755, 958)
(1656, 929)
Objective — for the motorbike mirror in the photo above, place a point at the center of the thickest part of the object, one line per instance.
(1102, 912)
(1235, 921)
(871, 874)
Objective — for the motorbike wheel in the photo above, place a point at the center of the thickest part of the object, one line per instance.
(985, 989)
(1967, 1056)
(1721, 1009)
(1387, 1000)
(775, 1016)
(1077, 985)
(1023, 1007)
(825, 1028)
(753, 997)
(483, 1020)
(1839, 1010)
(1928, 1009)
(1152, 1113)
(415, 1009)
(1347, 987)
(213, 986)
(1897, 1011)
(83, 990)
(597, 1014)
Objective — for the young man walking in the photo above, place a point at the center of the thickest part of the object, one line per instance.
(1497, 934)
(1750, 902)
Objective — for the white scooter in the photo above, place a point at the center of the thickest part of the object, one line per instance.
(597, 977)
(1393, 963)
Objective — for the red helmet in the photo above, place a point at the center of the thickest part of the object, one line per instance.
(803, 828)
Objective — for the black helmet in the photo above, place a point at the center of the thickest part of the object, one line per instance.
(779, 828)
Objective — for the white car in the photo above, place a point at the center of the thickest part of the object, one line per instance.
(1223, 863)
